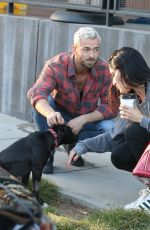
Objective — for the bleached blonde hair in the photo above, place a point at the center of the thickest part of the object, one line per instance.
(84, 33)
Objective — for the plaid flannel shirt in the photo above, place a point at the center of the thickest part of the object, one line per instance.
(58, 79)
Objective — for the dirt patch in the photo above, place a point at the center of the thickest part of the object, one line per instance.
(68, 208)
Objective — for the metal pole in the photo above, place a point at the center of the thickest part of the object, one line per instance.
(115, 5)
(107, 13)
(10, 8)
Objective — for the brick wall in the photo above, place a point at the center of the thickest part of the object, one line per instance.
(136, 4)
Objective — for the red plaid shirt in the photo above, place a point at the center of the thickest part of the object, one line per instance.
(58, 79)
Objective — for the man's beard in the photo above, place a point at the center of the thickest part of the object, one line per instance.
(89, 65)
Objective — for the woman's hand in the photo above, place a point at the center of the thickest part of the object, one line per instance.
(72, 156)
(132, 114)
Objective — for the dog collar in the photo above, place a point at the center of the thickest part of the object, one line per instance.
(54, 135)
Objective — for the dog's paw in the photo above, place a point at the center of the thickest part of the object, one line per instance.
(44, 205)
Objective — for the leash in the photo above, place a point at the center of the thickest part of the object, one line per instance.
(55, 136)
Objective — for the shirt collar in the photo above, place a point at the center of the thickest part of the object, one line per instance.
(72, 69)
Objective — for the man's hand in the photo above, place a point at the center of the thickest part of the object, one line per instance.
(55, 118)
(72, 156)
(77, 124)
(132, 114)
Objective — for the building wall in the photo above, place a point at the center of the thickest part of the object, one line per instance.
(18, 48)
(26, 43)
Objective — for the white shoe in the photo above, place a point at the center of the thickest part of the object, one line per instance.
(142, 203)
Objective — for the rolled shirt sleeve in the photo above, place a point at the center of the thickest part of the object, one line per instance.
(44, 85)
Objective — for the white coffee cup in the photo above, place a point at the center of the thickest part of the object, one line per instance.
(127, 99)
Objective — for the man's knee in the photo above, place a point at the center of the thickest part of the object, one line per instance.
(39, 121)
(106, 125)
(51, 102)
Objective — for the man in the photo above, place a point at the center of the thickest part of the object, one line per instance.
(72, 88)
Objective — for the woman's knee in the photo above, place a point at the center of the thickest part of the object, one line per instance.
(122, 158)
(115, 159)
(135, 131)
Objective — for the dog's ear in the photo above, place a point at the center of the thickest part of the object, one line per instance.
(70, 137)
(59, 129)
(65, 134)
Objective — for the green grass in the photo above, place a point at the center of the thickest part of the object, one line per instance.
(115, 219)
(118, 219)
(49, 192)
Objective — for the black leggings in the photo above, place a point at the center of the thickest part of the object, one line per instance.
(126, 155)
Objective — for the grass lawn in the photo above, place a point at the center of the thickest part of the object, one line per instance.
(68, 215)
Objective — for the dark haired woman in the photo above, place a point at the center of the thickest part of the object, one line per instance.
(131, 134)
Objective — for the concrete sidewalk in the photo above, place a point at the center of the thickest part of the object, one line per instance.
(98, 184)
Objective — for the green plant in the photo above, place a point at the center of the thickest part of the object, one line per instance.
(115, 219)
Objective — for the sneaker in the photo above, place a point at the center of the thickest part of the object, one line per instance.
(79, 162)
(48, 168)
(142, 203)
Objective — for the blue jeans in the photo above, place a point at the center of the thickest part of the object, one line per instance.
(89, 130)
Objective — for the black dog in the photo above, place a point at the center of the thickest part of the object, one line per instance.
(31, 153)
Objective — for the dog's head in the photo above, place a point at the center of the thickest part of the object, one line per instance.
(65, 134)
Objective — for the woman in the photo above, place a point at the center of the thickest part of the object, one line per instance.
(131, 134)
